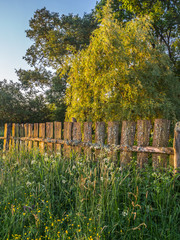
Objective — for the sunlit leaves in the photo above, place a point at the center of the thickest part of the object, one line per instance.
(121, 75)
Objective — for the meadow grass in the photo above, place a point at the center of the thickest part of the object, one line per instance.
(51, 197)
(1, 135)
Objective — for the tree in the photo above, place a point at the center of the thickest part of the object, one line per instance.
(17, 106)
(121, 75)
(165, 16)
(55, 38)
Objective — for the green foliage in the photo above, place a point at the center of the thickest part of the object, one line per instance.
(165, 16)
(48, 197)
(121, 75)
(16, 106)
(53, 89)
(53, 36)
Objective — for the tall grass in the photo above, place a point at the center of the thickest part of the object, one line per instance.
(48, 197)
(1, 135)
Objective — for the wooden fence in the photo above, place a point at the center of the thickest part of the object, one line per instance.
(78, 137)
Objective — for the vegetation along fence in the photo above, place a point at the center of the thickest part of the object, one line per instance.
(135, 137)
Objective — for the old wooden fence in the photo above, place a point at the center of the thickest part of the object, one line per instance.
(75, 136)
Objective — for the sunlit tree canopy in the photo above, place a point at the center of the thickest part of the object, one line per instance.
(123, 74)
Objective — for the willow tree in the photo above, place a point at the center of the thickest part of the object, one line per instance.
(123, 74)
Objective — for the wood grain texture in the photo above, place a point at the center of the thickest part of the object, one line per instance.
(160, 139)
(127, 139)
(143, 136)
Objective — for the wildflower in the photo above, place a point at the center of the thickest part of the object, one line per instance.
(33, 162)
(125, 213)
(28, 184)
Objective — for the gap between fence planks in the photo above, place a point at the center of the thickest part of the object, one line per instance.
(53, 136)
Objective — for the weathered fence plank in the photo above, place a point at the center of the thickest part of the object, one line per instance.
(88, 138)
(36, 134)
(100, 131)
(17, 135)
(26, 127)
(77, 135)
(176, 146)
(49, 134)
(160, 139)
(30, 134)
(42, 134)
(113, 137)
(143, 135)
(127, 139)
(12, 141)
(58, 135)
(67, 136)
(21, 134)
(7, 134)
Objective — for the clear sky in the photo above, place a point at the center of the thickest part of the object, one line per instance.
(14, 20)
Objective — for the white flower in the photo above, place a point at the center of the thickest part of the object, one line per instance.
(28, 184)
(125, 213)
(33, 162)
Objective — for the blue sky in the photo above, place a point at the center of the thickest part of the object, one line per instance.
(14, 20)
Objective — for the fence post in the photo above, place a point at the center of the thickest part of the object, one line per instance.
(77, 135)
(67, 136)
(176, 146)
(127, 139)
(160, 139)
(21, 134)
(7, 135)
(35, 135)
(26, 127)
(41, 135)
(49, 134)
(113, 138)
(57, 135)
(88, 138)
(30, 135)
(143, 134)
(12, 141)
(99, 136)
(17, 135)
